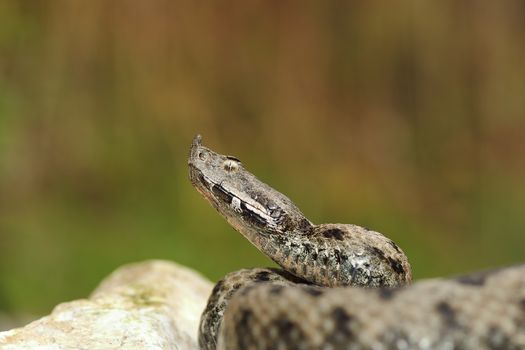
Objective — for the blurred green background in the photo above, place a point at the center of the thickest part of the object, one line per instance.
(406, 117)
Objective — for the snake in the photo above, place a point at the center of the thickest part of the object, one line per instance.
(339, 286)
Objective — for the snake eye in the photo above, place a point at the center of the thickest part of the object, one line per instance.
(203, 155)
(231, 165)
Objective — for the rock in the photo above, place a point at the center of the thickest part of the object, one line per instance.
(147, 305)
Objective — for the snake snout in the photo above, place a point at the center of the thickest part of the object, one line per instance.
(196, 144)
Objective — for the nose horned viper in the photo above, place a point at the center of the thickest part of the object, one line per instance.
(340, 286)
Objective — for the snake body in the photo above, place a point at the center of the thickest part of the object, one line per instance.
(340, 286)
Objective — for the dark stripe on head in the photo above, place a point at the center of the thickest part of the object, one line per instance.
(202, 179)
(222, 194)
(252, 217)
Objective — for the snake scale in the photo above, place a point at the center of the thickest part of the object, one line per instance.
(340, 286)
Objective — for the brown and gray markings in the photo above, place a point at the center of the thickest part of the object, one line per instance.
(292, 308)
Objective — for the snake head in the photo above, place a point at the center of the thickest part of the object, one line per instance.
(249, 205)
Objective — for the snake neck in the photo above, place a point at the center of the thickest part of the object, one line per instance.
(335, 255)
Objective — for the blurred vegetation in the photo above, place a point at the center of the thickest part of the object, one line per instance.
(405, 117)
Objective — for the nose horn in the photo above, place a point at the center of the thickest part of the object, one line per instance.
(195, 145)
(197, 141)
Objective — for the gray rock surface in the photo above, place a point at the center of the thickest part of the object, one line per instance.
(148, 305)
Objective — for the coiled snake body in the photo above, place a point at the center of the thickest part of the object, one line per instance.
(341, 286)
